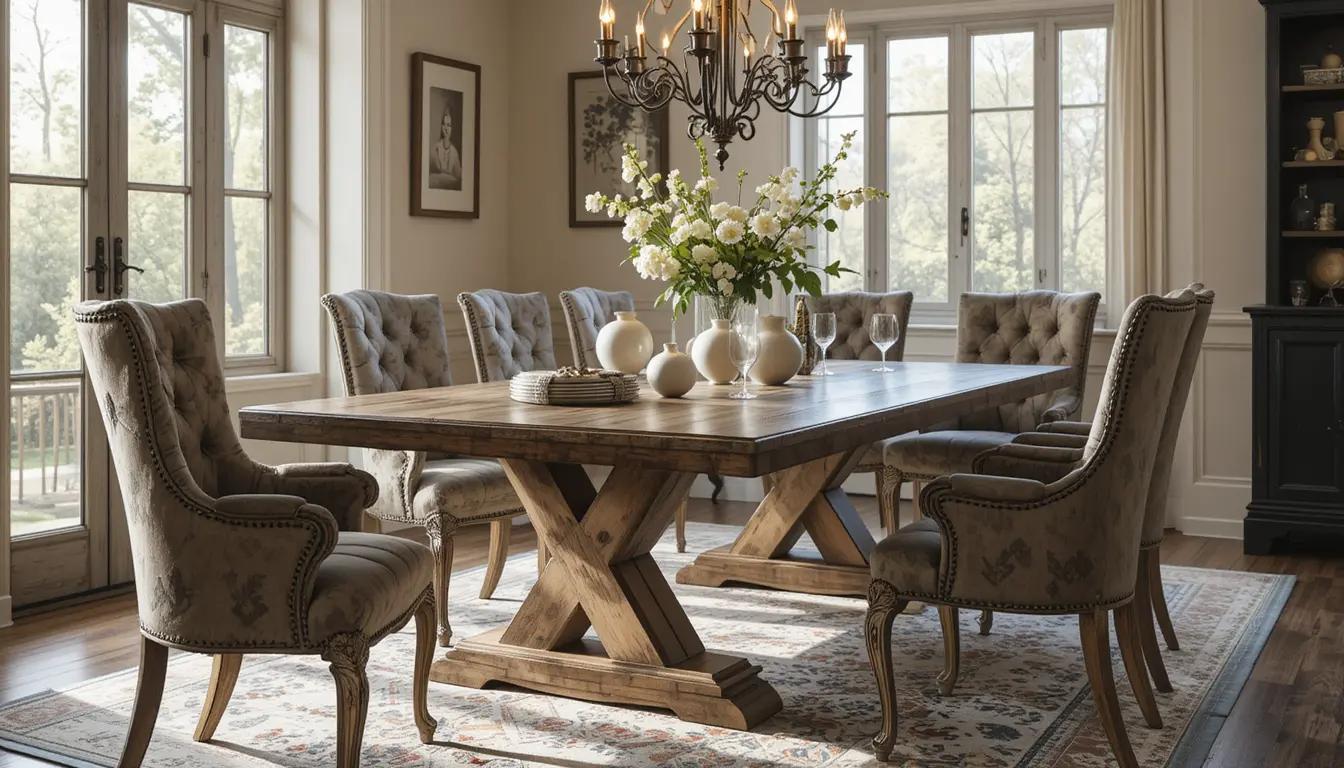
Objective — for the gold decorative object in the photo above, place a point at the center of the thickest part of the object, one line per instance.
(1326, 270)
(802, 328)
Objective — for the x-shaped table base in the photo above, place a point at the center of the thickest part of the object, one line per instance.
(807, 498)
(601, 575)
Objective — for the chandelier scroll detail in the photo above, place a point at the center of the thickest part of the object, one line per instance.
(726, 71)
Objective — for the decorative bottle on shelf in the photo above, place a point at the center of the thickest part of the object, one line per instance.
(1303, 211)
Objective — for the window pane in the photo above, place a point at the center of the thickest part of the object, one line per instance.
(245, 62)
(44, 277)
(1082, 66)
(853, 90)
(156, 91)
(245, 276)
(917, 75)
(158, 244)
(1082, 205)
(917, 211)
(1003, 70)
(1002, 209)
(846, 243)
(44, 456)
(45, 87)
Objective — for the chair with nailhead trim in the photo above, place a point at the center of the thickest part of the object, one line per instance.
(1069, 547)
(394, 343)
(1029, 328)
(586, 310)
(232, 557)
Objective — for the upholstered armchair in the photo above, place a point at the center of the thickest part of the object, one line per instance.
(231, 557)
(586, 311)
(854, 312)
(1067, 547)
(1058, 447)
(394, 343)
(1033, 328)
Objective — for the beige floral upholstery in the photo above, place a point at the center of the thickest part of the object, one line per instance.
(395, 343)
(510, 332)
(229, 559)
(1071, 546)
(586, 311)
(1030, 328)
(853, 311)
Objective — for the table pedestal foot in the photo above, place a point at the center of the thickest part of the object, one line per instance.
(790, 573)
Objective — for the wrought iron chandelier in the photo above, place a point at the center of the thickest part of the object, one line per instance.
(726, 101)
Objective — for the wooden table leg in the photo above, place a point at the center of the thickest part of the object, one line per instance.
(601, 575)
(805, 498)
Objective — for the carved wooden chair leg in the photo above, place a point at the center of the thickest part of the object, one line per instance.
(222, 679)
(1159, 598)
(883, 605)
(1143, 619)
(441, 544)
(681, 527)
(889, 482)
(717, 482)
(947, 680)
(148, 694)
(1096, 637)
(424, 657)
(348, 655)
(500, 532)
(1127, 636)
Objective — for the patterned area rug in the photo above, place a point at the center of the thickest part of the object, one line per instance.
(1022, 700)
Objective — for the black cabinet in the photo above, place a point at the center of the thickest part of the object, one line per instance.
(1298, 470)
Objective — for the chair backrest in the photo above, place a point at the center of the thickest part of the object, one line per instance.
(510, 333)
(1155, 519)
(1031, 328)
(389, 342)
(853, 310)
(586, 311)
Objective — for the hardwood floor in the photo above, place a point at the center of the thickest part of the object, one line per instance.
(1291, 712)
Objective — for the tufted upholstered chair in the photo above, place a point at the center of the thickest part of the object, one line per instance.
(231, 557)
(1032, 328)
(510, 333)
(586, 311)
(1056, 450)
(1067, 547)
(854, 312)
(394, 343)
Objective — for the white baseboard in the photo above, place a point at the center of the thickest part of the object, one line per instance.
(1212, 527)
(6, 611)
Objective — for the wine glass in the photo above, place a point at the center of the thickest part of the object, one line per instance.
(823, 333)
(743, 345)
(882, 329)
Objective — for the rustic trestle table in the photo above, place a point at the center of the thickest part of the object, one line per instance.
(807, 436)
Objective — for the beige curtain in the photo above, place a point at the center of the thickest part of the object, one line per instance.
(1137, 166)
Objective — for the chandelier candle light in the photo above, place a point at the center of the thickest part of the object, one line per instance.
(726, 100)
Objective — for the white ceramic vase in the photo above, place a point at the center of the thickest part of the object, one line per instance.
(779, 353)
(712, 355)
(671, 372)
(624, 344)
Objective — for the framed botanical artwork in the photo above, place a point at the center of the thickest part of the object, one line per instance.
(599, 128)
(445, 137)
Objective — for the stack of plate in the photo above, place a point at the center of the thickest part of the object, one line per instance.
(572, 387)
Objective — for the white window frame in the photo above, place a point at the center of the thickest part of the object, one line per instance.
(1047, 26)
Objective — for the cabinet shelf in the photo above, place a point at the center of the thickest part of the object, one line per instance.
(1314, 164)
(1312, 234)
(1333, 88)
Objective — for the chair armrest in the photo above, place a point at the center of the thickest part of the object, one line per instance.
(1030, 462)
(1064, 407)
(994, 488)
(1083, 428)
(1052, 440)
(343, 490)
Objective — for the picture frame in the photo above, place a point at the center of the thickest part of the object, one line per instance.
(599, 126)
(445, 137)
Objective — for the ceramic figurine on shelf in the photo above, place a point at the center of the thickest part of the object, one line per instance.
(1314, 128)
(1331, 60)
(1326, 221)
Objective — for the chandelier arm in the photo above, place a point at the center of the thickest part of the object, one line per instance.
(817, 110)
(627, 99)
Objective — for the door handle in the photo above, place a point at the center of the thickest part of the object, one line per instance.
(99, 266)
(120, 267)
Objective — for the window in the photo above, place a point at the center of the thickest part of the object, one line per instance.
(995, 159)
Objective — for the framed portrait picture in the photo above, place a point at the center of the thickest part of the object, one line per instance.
(599, 128)
(445, 137)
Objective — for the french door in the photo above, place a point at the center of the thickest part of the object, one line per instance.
(105, 149)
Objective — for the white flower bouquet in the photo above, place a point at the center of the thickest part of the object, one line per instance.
(727, 252)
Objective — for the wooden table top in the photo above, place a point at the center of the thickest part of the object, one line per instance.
(810, 417)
